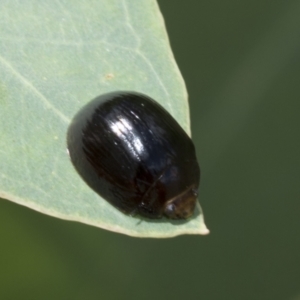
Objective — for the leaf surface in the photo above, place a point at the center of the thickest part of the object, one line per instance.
(55, 56)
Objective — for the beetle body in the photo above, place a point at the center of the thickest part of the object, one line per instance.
(134, 154)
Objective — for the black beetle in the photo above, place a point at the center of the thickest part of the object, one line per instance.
(134, 154)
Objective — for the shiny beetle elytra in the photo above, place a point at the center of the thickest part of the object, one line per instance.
(134, 154)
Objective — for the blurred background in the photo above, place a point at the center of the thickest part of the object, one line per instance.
(241, 64)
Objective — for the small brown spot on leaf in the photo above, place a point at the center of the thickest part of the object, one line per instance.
(109, 76)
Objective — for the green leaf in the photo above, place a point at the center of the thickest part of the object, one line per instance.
(55, 56)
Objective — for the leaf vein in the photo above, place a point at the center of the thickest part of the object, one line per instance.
(29, 84)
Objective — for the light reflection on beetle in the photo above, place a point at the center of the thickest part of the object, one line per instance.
(134, 154)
